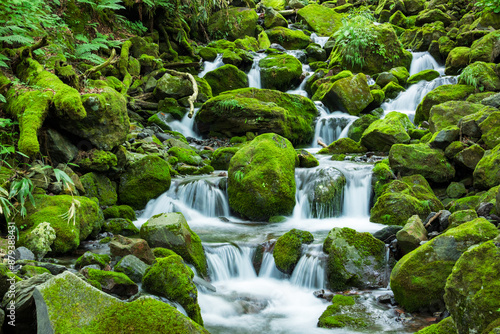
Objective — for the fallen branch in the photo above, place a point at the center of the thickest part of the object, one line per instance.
(140, 104)
(433, 219)
(208, 148)
(288, 12)
(100, 67)
(193, 97)
(320, 143)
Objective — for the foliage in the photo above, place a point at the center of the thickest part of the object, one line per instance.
(84, 51)
(489, 5)
(100, 5)
(471, 76)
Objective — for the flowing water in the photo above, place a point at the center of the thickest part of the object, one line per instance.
(211, 65)
(186, 126)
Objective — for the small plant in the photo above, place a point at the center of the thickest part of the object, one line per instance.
(239, 175)
(471, 75)
(489, 5)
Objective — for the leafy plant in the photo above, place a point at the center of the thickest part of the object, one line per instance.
(471, 75)
(239, 175)
(489, 5)
(100, 5)
(85, 50)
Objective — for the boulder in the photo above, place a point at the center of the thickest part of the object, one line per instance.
(306, 159)
(426, 75)
(323, 20)
(224, 78)
(443, 138)
(359, 126)
(169, 277)
(490, 129)
(131, 266)
(456, 190)
(343, 146)
(469, 157)
(487, 171)
(445, 326)
(288, 38)
(222, 156)
(411, 235)
(421, 159)
(111, 282)
(274, 4)
(288, 249)
(350, 95)
(97, 160)
(89, 258)
(418, 279)
(472, 291)
(171, 230)
(122, 246)
(261, 178)
(171, 86)
(481, 75)
(486, 49)
(121, 226)
(60, 149)
(345, 312)
(457, 60)
(280, 71)
(237, 112)
(273, 19)
(382, 134)
(40, 240)
(144, 179)
(233, 23)
(462, 216)
(98, 185)
(120, 211)
(431, 16)
(354, 259)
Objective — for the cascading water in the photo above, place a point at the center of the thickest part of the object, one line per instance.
(310, 271)
(186, 126)
(321, 40)
(228, 262)
(268, 267)
(424, 61)
(331, 126)
(211, 65)
(254, 73)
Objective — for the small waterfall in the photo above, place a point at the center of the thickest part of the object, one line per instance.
(228, 262)
(357, 193)
(301, 90)
(186, 126)
(424, 61)
(310, 271)
(254, 74)
(330, 127)
(319, 39)
(193, 197)
(211, 65)
(268, 267)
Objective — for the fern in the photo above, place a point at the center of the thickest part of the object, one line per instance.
(110, 4)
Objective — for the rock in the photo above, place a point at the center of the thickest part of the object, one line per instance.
(469, 202)
(94, 311)
(171, 86)
(40, 239)
(23, 253)
(170, 278)
(487, 172)
(122, 246)
(490, 129)
(482, 75)
(440, 95)
(222, 156)
(385, 78)
(392, 90)
(384, 133)
(484, 209)
(359, 126)
(355, 259)
(89, 258)
(257, 198)
(470, 124)
(171, 230)
(472, 294)
(387, 233)
(445, 326)
(144, 179)
(418, 279)
(421, 159)
(106, 124)
(345, 312)
(350, 95)
(121, 226)
(457, 60)
(431, 16)
(427, 75)
(224, 78)
(132, 267)
(186, 155)
(411, 235)
(120, 211)
(469, 157)
(100, 186)
(450, 113)
(288, 38)
(60, 149)
(323, 20)
(443, 138)
(456, 190)
(237, 112)
(274, 19)
(343, 146)
(486, 49)
(280, 72)
(87, 219)
(288, 249)
(306, 159)
(97, 160)
(114, 283)
(315, 53)
(233, 23)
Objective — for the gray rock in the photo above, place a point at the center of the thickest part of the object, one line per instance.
(387, 233)
(60, 149)
(131, 266)
(23, 253)
(492, 101)
(445, 137)
(122, 246)
(484, 209)
(443, 220)
(411, 235)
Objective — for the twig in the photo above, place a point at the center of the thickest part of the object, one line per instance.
(433, 219)
(320, 143)
(100, 67)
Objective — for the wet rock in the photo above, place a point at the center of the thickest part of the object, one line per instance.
(112, 282)
(60, 148)
(383, 133)
(484, 209)
(122, 246)
(89, 258)
(387, 234)
(412, 234)
(288, 249)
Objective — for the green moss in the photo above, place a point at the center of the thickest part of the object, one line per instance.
(460, 217)
(392, 90)
(306, 159)
(99, 186)
(31, 271)
(343, 146)
(233, 23)
(427, 75)
(487, 172)
(382, 134)
(343, 313)
(323, 20)
(288, 249)
(120, 226)
(160, 252)
(120, 211)
(280, 72)
(359, 126)
(98, 160)
(288, 38)
(185, 155)
(227, 77)
(222, 156)
(90, 258)
(445, 326)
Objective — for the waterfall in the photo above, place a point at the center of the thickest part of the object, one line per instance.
(301, 90)
(357, 193)
(331, 126)
(211, 65)
(186, 126)
(424, 61)
(310, 271)
(254, 73)
(319, 39)
(268, 267)
(194, 197)
(227, 262)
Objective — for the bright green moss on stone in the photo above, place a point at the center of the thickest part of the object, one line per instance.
(288, 38)
(31, 271)
(222, 156)
(185, 155)
(280, 71)
(98, 185)
(99, 161)
(163, 252)
(382, 134)
(487, 172)
(120, 211)
(343, 146)
(359, 126)
(288, 249)
(323, 20)
(90, 258)
(120, 226)
(227, 77)
(233, 23)
(306, 159)
(445, 326)
(461, 216)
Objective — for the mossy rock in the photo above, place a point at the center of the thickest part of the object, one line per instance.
(343, 146)
(88, 218)
(233, 23)
(466, 203)
(392, 90)
(482, 75)
(445, 326)
(359, 126)
(172, 86)
(89, 258)
(472, 291)
(261, 178)
(450, 113)
(224, 78)
(351, 95)
(97, 160)
(222, 156)
(418, 279)
(487, 172)
(144, 180)
(120, 226)
(460, 217)
(306, 159)
(132, 267)
(120, 211)
(280, 72)
(288, 38)
(421, 159)
(163, 252)
(486, 49)
(171, 230)
(440, 95)
(323, 20)
(99, 186)
(273, 18)
(457, 60)
(490, 129)
(456, 190)
(40, 240)
(185, 155)
(288, 249)
(354, 259)
(170, 278)
(32, 271)
(382, 134)
(237, 112)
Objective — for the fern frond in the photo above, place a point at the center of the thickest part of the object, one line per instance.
(24, 40)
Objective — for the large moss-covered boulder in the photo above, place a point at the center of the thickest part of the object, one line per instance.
(382, 134)
(343, 146)
(106, 124)
(445, 326)
(472, 291)
(431, 16)
(237, 112)
(359, 126)
(421, 159)
(99, 186)
(486, 49)
(171, 230)
(482, 74)
(273, 18)
(490, 129)
(402, 199)
(172, 86)
(351, 95)
(418, 279)
(354, 259)
(97, 160)
(487, 172)
(144, 180)
(440, 95)
(280, 71)
(121, 226)
(222, 156)
(169, 277)
(288, 38)
(70, 228)
(450, 113)
(261, 178)
(288, 249)
(425, 75)
(321, 19)
(224, 78)
(457, 60)
(112, 282)
(233, 23)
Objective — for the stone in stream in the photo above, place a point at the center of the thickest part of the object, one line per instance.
(383, 133)
(487, 171)
(280, 72)
(224, 78)
(122, 246)
(171, 230)
(288, 249)
(288, 38)
(346, 312)
(325, 192)
(89, 258)
(112, 282)
(412, 234)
